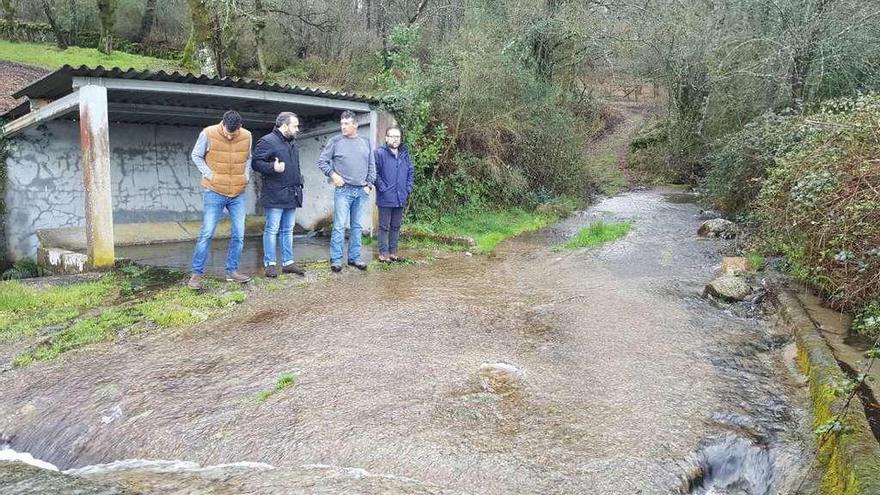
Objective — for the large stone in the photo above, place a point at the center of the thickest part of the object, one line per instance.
(500, 378)
(728, 288)
(732, 265)
(718, 227)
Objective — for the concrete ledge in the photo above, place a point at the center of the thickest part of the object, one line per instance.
(62, 261)
(462, 241)
(133, 234)
(851, 460)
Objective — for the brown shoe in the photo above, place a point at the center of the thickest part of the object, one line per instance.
(195, 282)
(237, 277)
(292, 268)
(272, 271)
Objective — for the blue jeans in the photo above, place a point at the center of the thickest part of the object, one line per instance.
(214, 204)
(348, 202)
(278, 220)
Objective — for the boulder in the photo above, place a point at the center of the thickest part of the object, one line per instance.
(717, 227)
(500, 378)
(728, 288)
(732, 265)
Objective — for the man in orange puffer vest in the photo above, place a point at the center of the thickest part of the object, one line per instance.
(223, 156)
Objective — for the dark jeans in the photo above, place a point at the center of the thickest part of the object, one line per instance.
(389, 229)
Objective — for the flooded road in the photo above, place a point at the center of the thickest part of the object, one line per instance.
(617, 379)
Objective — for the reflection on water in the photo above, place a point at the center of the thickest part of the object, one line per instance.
(178, 255)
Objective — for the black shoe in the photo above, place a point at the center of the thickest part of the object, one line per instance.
(272, 271)
(336, 268)
(292, 268)
(360, 265)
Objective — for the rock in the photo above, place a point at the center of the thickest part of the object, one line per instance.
(728, 288)
(732, 265)
(717, 227)
(500, 378)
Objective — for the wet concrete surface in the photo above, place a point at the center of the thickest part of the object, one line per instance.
(178, 255)
(629, 381)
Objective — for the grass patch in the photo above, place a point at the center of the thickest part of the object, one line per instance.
(144, 297)
(756, 260)
(51, 57)
(84, 332)
(24, 309)
(285, 381)
(489, 228)
(598, 233)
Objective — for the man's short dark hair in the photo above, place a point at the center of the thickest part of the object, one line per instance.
(232, 121)
(394, 128)
(348, 114)
(283, 118)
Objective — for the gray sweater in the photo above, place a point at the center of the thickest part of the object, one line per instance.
(351, 158)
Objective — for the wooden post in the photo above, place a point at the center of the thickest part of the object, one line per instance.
(95, 145)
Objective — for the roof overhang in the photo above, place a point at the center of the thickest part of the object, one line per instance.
(144, 97)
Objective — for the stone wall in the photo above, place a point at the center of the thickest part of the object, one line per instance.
(153, 180)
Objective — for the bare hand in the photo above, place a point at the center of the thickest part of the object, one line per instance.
(337, 179)
(367, 189)
(279, 165)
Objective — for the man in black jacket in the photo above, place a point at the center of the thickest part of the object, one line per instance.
(276, 158)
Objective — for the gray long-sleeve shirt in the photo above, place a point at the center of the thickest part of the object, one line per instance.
(351, 158)
(198, 157)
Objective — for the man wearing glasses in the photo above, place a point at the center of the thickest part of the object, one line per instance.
(223, 156)
(348, 161)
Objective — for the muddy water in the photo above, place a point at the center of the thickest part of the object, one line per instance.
(628, 382)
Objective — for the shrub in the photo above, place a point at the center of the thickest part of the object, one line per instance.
(867, 321)
(820, 206)
(737, 166)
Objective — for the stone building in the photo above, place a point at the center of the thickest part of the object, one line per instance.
(93, 154)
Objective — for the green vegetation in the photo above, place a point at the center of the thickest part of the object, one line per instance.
(285, 381)
(51, 57)
(598, 233)
(867, 321)
(488, 228)
(132, 298)
(756, 260)
(24, 309)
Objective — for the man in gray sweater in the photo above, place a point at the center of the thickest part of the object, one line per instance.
(348, 161)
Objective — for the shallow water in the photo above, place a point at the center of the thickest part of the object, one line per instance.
(627, 380)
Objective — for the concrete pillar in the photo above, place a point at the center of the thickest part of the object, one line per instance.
(95, 144)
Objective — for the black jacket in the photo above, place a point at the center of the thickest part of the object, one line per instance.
(284, 190)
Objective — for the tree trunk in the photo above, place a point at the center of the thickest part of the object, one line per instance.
(107, 16)
(8, 10)
(147, 21)
(196, 54)
(260, 35)
(60, 36)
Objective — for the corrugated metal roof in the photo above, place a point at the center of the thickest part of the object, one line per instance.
(60, 83)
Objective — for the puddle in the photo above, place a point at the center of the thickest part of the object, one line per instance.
(178, 255)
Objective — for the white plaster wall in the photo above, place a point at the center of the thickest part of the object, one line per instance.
(153, 180)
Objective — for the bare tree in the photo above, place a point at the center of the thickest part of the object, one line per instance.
(147, 21)
(107, 16)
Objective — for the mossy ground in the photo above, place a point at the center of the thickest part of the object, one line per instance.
(78, 314)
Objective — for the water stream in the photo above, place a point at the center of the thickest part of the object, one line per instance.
(622, 380)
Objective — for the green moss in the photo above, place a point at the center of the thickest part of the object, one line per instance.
(598, 233)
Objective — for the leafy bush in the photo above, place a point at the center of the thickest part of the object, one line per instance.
(820, 205)
(738, 164)
(25, 268)
(867, 321)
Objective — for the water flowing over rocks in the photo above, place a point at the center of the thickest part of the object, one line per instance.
(728, 288)
(500, 378)
(718, 227)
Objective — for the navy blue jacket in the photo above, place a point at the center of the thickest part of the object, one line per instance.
(394, 177)
(282, 190)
